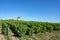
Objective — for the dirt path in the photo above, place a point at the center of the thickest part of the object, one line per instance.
(1, 36)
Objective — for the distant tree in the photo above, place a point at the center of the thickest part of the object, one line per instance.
(18, 18)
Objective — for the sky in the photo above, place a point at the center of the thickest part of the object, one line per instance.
(31, 10)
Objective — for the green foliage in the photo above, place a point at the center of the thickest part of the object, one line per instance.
(21, 28)
(0, 23)
(4, 28)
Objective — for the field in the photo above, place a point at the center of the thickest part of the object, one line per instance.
(29, 30)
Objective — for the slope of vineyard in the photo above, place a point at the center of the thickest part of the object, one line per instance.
(31, 30)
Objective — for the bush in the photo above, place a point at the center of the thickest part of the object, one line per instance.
(4, 28)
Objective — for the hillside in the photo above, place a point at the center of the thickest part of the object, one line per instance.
(29, 30)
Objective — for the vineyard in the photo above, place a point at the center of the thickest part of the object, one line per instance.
(27, 28)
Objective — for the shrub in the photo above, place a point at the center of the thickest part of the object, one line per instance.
(4, 28)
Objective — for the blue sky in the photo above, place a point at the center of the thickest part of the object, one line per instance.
(31, 10)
